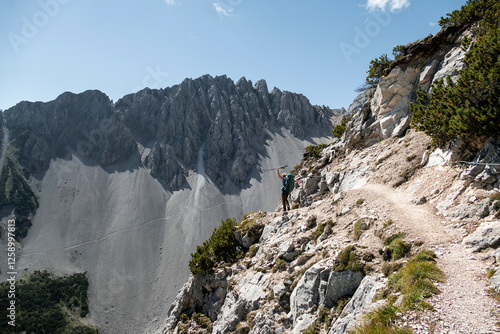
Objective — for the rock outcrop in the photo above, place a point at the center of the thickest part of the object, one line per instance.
(360, 304)
(384, 111)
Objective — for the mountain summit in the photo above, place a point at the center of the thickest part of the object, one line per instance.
(166, 129)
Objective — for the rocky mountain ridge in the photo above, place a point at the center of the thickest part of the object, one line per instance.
(166, 128)
(127, 190)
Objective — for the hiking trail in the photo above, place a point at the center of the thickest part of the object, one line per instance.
(463, 305)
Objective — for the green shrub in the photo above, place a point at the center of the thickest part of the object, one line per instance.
(490, 273)
(359, 227)
(319, 231)
(399, 249)
(390, 267)
(330, 223)
(16, 193)
(399, 51)
(341, 304)
(312, 329)
(381, 321)
(377, 70)
(280, 265)
(416, 279)
(252, 250)
(314, 151)
(472, 11)
(469, 108)
(390, 239)
(347, 259)
(339, 129)
(202, 320)
(219, 248)
(41, 300)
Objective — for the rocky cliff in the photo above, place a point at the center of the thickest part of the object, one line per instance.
(384, 111)
(125, 191)
(296, 277)
(380, 185)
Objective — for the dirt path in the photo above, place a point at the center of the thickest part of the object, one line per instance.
(463, 306)
(418, 221)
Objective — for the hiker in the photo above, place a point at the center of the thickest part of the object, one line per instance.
(287, 185)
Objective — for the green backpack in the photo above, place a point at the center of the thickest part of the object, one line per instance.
(290, 182)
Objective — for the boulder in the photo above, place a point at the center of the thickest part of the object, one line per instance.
(311, 184)
(302, 322)
(472, 211)
(495, 281)
(280, 289)
(339, 285)
(486, 236)
(321, 286)
(360, 304)
(200, 291)
(238, 303)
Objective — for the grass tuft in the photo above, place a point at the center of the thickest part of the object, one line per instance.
(359, 227)
(348, 260)
(415, 281)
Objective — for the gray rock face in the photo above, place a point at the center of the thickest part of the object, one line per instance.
(495, 281)
(360, 304)
(385, 112)
(321, 286)
(239, 303)
(472, 211)
(228, 122)
(199, 292)
(487, 235)
(211, 295)
(84, 123)
(485, 172)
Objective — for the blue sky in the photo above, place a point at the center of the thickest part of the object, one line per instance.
(319, 48)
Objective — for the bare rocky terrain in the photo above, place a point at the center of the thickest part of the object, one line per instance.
(128, 189)
(254, 288)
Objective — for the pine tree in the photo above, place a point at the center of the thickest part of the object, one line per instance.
(469, 108)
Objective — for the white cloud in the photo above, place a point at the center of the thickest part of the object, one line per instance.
(223, 11)
(170, 2)
(383, 4)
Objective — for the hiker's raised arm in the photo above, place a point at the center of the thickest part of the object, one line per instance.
(279, 175)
